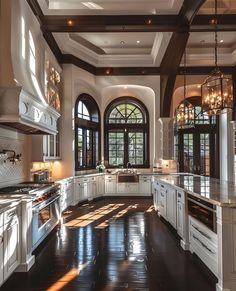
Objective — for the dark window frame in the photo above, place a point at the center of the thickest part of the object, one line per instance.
(93, 126)
(212, 128)
(126, 128)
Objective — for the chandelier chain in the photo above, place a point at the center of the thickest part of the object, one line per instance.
(185, 74)
(216, 36)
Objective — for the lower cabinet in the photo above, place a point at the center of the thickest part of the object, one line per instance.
(110, 184)
(145, 185)
(127, 188)
(11, 241)
(180, 213)
(1, 255)
(171, 206)
(66, 198)
(204, 243)
(162, 202)
(100, 185)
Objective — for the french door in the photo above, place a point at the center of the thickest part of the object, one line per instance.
(198, 152)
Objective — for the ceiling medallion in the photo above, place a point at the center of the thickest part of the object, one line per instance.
(217, 89)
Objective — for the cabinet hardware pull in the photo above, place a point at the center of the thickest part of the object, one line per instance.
(1, 238)
(209, 250)
(162, 186)
(201, 232)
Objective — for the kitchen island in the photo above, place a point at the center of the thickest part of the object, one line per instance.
(205, 220)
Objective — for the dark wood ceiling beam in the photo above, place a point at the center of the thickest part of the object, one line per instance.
(205, 70)
(135, 23)
(169, 70)
(201, 23)
(172, 57)
(114, 23)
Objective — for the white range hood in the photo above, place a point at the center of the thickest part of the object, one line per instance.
(21, 110)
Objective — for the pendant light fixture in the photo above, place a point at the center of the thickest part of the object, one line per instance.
(184, 113)
(217, 90)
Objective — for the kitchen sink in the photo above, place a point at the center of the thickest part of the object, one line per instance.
(128, 178)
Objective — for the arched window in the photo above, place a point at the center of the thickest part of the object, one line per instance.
(87, 133)
(126, 133)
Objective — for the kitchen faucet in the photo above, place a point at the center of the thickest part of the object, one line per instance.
(128, 165)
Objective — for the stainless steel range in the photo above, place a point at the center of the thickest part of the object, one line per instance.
(45, 206)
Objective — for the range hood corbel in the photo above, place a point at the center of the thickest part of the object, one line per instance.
(22, 111)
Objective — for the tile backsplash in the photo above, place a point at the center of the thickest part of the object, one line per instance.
(11, 173)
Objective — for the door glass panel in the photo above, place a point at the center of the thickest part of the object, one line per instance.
(188, 153)
(205, 154)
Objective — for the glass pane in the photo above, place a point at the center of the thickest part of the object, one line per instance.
(126, 113)
(188, 153)
(136, 147)
(51, 145)
(205, 154)
(116, 148)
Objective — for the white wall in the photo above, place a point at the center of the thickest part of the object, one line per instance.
(104, 89)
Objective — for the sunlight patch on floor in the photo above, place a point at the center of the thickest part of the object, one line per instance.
(86, 219)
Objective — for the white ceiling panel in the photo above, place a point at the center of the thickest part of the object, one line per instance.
(112, 7)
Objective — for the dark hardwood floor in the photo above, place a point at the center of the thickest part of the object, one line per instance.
(113, 244)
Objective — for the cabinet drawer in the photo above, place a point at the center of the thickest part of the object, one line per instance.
(206, 234)
(203, 242)
(12, 213)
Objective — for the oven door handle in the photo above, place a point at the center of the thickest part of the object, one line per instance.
(38, 209)
(202, 205)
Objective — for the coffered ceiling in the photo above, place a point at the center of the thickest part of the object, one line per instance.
(126, 41)
(137, 37)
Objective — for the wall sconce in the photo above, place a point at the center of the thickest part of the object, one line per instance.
(13, 158)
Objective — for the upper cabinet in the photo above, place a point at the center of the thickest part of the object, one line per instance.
(166, 126)
(53, 86)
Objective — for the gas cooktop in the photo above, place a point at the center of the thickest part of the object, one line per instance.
(25, 188)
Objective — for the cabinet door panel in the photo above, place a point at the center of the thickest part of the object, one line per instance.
(12, 248)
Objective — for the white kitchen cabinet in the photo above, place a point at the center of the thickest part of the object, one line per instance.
(1, 255)
(100, 185)
(12, 240)
(127, 188)
(110, 184)
(92, 188)
(156, 194)
(80, 189)
(45, 148)
(66, 198)
(162, 201)
(180, 213)
(171, 206)
(145, 185)
(204, 243)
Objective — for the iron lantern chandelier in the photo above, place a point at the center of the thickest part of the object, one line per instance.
(217, 89)
(184, 113)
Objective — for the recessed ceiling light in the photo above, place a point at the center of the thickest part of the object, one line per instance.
(92, 5)
(138, 41)
(122, 42)
(125, 87)
(221, 41)
(199, 86)
(149, 21)
(70, 22)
